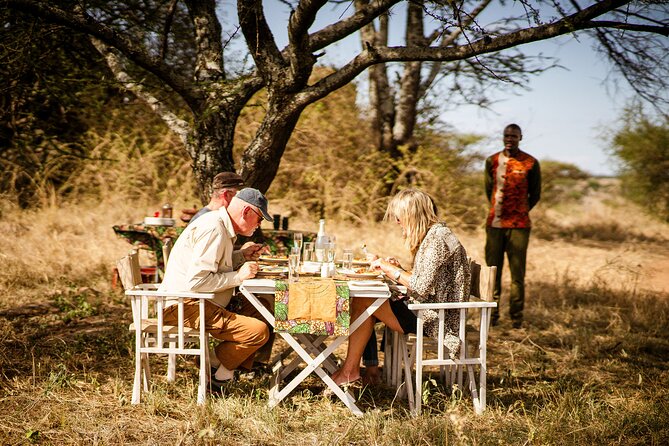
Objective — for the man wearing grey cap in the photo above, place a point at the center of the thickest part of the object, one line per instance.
(224, 186)
(202, 261)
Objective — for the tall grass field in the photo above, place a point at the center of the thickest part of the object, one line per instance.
(590, 366)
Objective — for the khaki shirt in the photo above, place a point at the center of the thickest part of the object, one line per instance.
(203, 260)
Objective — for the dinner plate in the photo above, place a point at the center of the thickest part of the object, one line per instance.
(273, 259)
(367, 283)
(357, 262)
(369, 275)
(271, 273)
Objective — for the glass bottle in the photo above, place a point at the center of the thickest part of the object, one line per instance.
(322, 241)
(167, 211)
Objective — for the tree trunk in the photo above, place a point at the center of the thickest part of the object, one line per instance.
(210, 147)
(262, 157)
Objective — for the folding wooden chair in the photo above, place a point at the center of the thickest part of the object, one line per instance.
(475, 317)
(153, 336)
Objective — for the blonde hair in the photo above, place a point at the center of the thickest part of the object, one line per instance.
(417, 212)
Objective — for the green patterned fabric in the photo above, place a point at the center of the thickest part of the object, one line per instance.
(316, 327)
(149, 237)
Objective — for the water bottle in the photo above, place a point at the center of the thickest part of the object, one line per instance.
(322, 241)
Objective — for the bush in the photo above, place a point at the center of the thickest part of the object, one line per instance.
(642, 147)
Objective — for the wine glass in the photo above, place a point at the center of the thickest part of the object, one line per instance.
(308, 252)
(297, 240)
(293, 265)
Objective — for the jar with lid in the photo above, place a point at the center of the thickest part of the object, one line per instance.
(167, 210)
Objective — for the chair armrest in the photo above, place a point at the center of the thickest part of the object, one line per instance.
(175, 294)
(147, 286)
(452, 305)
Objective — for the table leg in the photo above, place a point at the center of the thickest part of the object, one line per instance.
(313, 364)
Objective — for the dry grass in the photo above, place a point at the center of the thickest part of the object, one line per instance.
(589, 368)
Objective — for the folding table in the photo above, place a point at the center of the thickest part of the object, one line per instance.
(315, 353)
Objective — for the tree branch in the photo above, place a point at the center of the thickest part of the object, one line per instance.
(662, 30)
(209, 51)
(86, 24)
(343, 28)
(300, 57)
(260, 41)
(449, 40)
(373, 55)
(117, 67)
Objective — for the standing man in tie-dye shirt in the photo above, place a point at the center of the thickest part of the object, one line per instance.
(513, 187)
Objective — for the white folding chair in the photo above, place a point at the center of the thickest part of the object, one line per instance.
(474, 317)
(152, 334)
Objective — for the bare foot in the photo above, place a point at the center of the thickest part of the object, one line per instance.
(340, 377)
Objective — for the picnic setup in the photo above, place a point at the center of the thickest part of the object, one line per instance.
(309, 284)
(370, 222)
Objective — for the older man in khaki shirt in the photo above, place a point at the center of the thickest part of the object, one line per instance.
(202, 260)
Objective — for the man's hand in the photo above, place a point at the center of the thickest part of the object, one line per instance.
(252, 251)
(248, 270)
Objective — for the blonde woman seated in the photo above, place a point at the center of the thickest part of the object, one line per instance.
(440, 273)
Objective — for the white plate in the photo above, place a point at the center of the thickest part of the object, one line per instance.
(271, 273)
(370, 275)
(273, 259)
(159, 221)
(367, 283)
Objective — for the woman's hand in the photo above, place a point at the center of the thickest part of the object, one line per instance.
(382, 265)
(393, 261)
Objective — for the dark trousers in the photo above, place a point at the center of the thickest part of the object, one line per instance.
(514, 243)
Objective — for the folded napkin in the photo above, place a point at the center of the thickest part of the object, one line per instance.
(313, 300)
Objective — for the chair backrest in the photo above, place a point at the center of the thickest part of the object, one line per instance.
(482, 283)
(129, 271)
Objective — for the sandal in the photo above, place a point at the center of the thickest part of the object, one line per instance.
(355, 386)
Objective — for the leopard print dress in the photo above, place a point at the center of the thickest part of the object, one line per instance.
(440, 274)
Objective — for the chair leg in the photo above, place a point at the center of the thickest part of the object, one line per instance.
(172, 365)
(146, 368)
(408, 379)
(473, 389)
(137, 382)
(419, 363)
(387, 357)
(204, 371)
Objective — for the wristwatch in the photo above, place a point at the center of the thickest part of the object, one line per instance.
(397, 274)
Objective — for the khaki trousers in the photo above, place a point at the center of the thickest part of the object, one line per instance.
(241, 335)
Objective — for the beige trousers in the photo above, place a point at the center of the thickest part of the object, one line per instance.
(241, 335)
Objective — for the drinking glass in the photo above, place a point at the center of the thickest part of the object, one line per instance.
(331, 251)
(297, 251)
(308, 255)
(297, 240)
(293, 267)
(347, 259)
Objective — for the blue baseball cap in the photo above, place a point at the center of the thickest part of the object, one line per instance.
(256, 198)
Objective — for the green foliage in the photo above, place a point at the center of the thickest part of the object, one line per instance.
(642, 147)
(562, 182)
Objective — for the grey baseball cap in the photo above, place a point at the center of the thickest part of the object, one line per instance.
(256, 198)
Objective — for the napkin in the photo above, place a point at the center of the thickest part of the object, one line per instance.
(313, 300)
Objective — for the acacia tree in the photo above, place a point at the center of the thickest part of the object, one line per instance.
(214, 95)
(400, 94)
